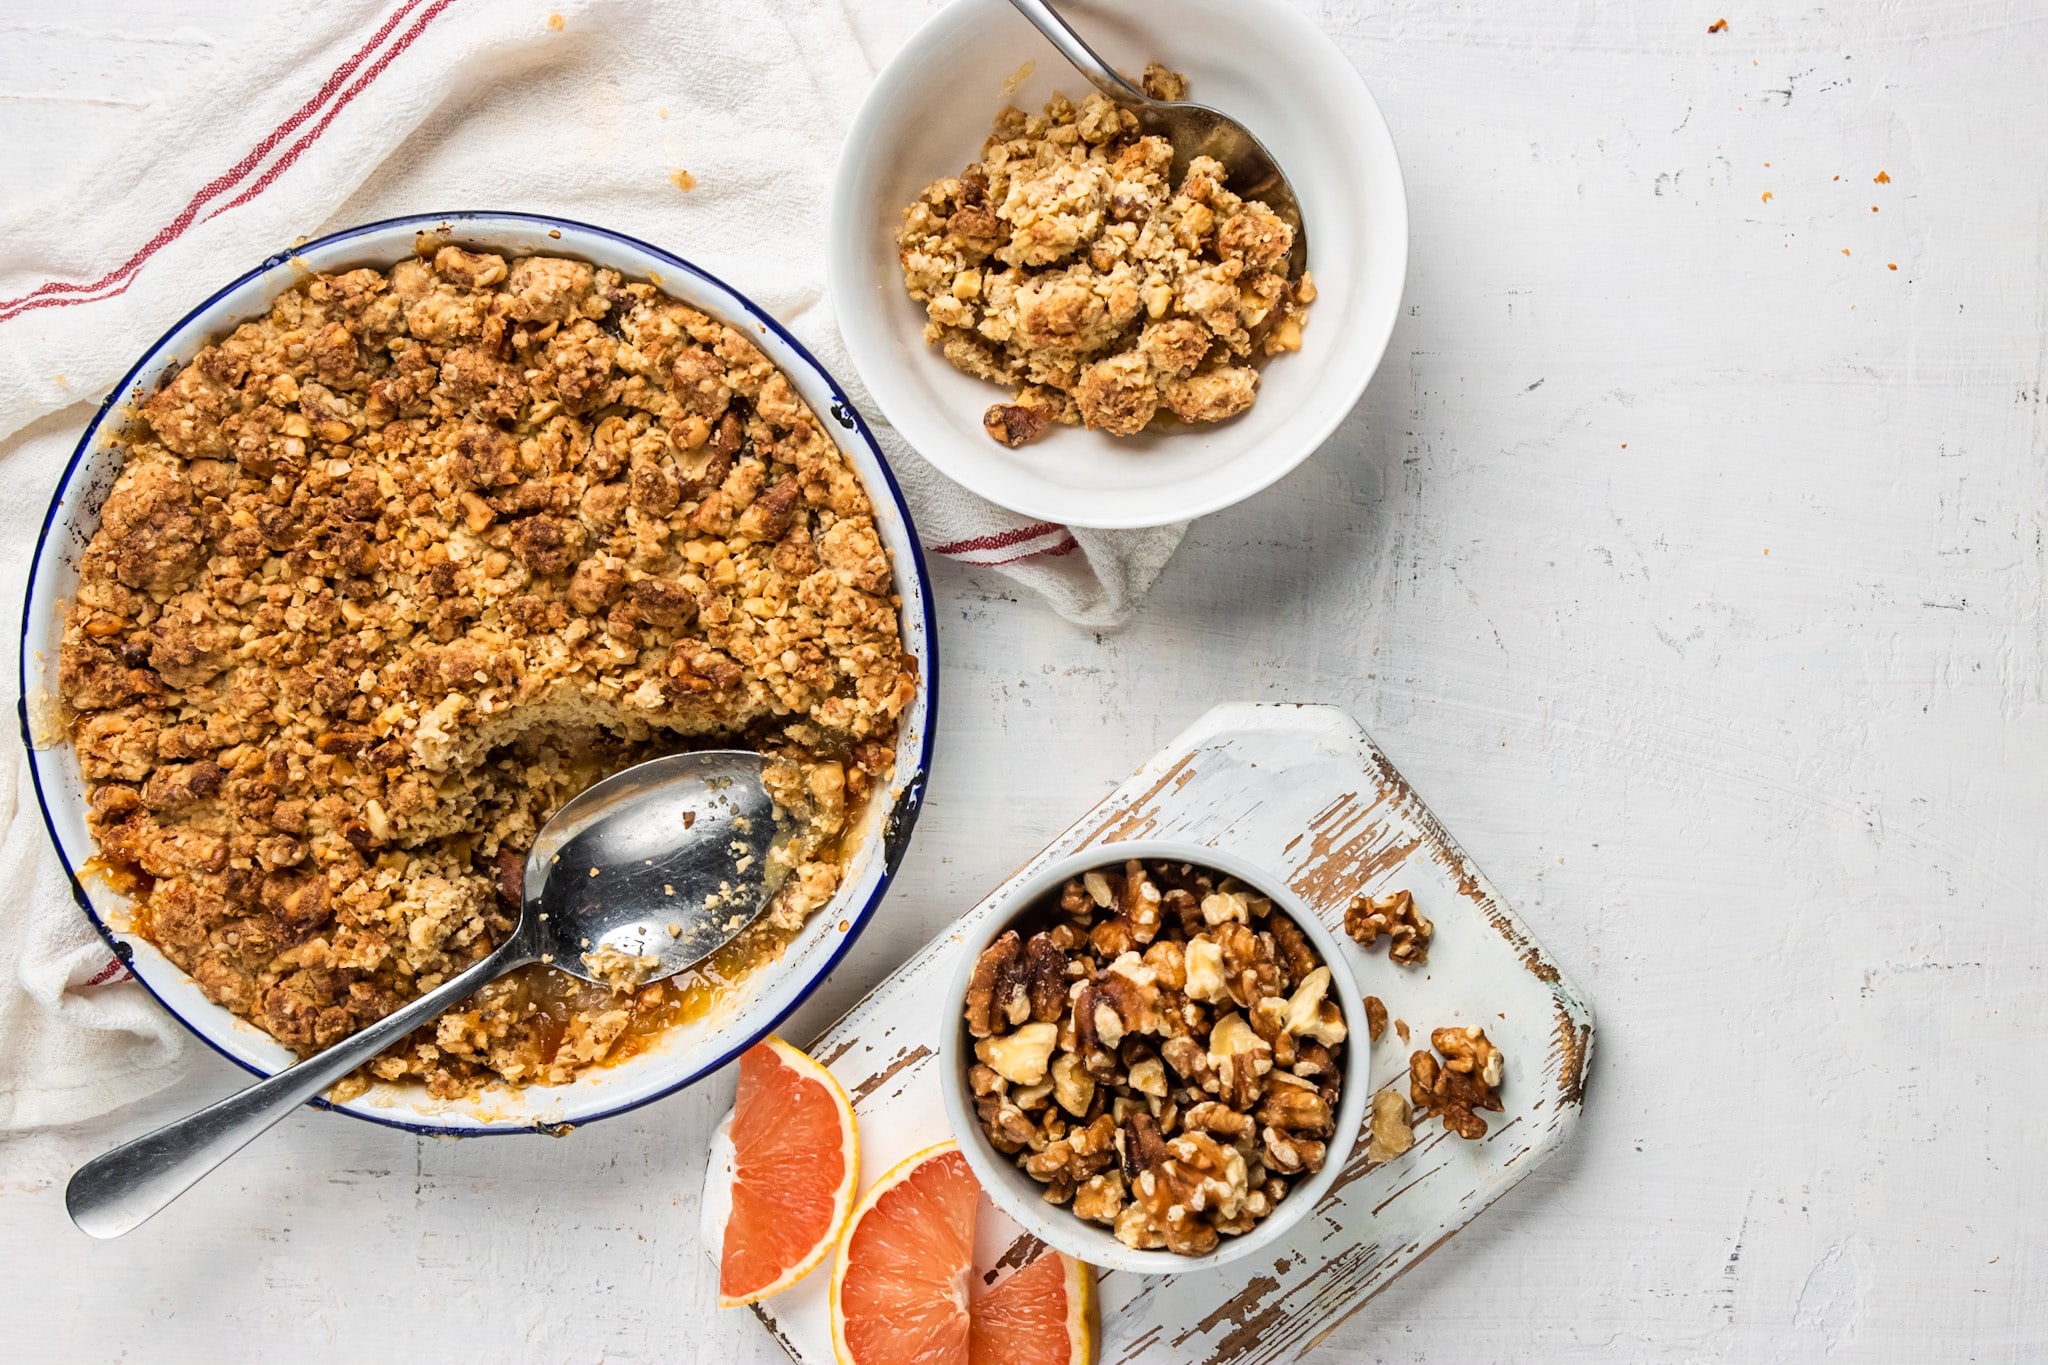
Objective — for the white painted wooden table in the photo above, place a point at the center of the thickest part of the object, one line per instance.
(1691, 569)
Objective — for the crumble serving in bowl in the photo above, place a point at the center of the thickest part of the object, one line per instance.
(393, 570)
(1067, 263)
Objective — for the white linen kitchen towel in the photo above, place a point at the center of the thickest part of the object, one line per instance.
(335, 112)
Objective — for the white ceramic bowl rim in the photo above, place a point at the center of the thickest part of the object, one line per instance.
(1092, 1242)
(901, 818)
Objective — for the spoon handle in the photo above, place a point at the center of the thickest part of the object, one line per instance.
(119, 1191)
(1099, 73)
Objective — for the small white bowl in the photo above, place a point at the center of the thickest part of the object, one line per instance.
(1021, 1197)
(681, 1054)
(1259, 61)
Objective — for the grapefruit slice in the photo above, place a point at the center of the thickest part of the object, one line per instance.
(899, 1288)
(1042, 1315)
(796, 1164)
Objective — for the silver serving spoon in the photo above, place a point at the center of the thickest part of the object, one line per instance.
(655, 867)
(1193, 129)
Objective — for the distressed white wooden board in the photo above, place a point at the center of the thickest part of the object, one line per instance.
(1302, 791)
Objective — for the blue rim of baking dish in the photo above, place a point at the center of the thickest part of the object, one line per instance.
(898, 823)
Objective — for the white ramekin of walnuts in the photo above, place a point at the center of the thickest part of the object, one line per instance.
(1150, 1059)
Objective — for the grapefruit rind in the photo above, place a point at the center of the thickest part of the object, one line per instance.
(842, 1200)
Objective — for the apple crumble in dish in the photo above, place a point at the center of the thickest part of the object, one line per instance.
(1067, 265)
(393, 572)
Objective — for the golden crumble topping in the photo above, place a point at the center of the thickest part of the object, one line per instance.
(1066, 264)
(394, 571)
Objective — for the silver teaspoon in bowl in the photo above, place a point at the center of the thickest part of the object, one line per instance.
(1250, 172)
(645, 874)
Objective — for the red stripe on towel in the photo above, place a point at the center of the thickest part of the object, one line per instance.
(1002, 540)
(57, 293)
(1065, 547)
(284, 163)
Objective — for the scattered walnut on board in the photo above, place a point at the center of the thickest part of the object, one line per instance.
(1467, 1079)
(1391, 1128)
(1156, 1045)
(1394, 915)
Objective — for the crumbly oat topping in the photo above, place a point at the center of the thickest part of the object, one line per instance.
(1468, 1078)
(1068, 265)
(392, 572)
(1155, 1043)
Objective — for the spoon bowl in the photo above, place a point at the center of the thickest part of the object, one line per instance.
(645, 874)
(654, 869)
(1193, 130)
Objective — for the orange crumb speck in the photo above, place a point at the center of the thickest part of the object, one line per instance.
(682, 180)
(1838, 177)
(1624, 445)
(661, 111)
(1767, 165)
(556, 22)
(1891, 265)
(1873, 208)
(1881, 178)
(1767, 196)
(1767, 549)
(1718, 26)
(1845, 251)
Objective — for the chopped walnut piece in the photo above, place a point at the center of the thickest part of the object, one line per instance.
(1240, 1059)
(1168, 960)
(1100, 1198)
(1020, 1058)
(1313, 1062)
(1291, 1155)
(1250, 972)
(1014, 424)
(1142, 1090)
(1217, 1119)
(1295, 1108)
(1072, 1086)
(1468, 1079)
(1375, 1018)
(1045, 978)
(1203, 964)
(1391, 1131)
(1394, 915)
(995, 993)
(1138, 903)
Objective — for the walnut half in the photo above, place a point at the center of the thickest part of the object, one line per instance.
(1467, 1079)
(1394, 915)
(1392, 1129)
